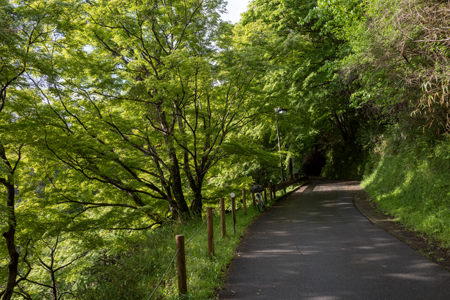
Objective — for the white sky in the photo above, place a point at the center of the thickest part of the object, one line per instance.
(235, 8)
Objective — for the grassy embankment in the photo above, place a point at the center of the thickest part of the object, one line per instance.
(410, 180)
(137, 272)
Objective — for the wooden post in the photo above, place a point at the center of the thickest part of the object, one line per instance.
(244, 202)
(254, 201)
(265, 194)
(181, 265)
(270, 190)
(222, 217)
(209, 222)
(291, 169)
(233, 212)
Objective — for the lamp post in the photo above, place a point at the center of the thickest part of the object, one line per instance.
(280, 111)
(233, 210)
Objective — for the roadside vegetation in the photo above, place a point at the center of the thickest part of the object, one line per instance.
(135, 273)
(406, 171)
(410, 180)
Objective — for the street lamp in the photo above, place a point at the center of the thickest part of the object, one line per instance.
(233, 210)
(280, 111)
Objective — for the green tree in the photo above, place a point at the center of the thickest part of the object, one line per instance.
(146, 113)
(307, 45)
(25, 30)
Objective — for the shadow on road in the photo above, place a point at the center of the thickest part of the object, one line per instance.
(316, 245)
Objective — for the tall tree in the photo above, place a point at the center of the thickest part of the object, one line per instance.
(143, 105)
(306, 51)
(26, 30)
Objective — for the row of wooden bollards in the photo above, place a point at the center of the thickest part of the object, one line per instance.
(181, 255)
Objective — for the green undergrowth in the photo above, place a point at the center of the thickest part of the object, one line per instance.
(135, 273)
(411, 181)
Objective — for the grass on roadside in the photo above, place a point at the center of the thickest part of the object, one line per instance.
(204, 275)
(412, 184)
(136, 273)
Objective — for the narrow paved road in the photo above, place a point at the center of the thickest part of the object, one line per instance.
(316, 245)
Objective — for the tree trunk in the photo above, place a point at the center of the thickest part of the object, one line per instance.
(172, 207)
(177, 188)
(175, 176)
(10, 243)
(197, 203)
(54, 285)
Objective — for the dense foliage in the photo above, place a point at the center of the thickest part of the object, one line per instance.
(120, 120)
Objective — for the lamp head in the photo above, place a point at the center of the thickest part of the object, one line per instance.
(281, 110)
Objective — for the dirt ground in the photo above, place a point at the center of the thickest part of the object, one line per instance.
(416, 240)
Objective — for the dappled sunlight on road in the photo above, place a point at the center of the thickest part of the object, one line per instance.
(410, 276)
(338, 186)
(317, 246)
(323, 298)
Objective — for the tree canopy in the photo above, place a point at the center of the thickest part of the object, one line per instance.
(122, 116)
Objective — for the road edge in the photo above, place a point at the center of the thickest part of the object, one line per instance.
(222, 290)
(418, 241)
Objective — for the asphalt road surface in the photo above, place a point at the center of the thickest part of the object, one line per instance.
(316, 245)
